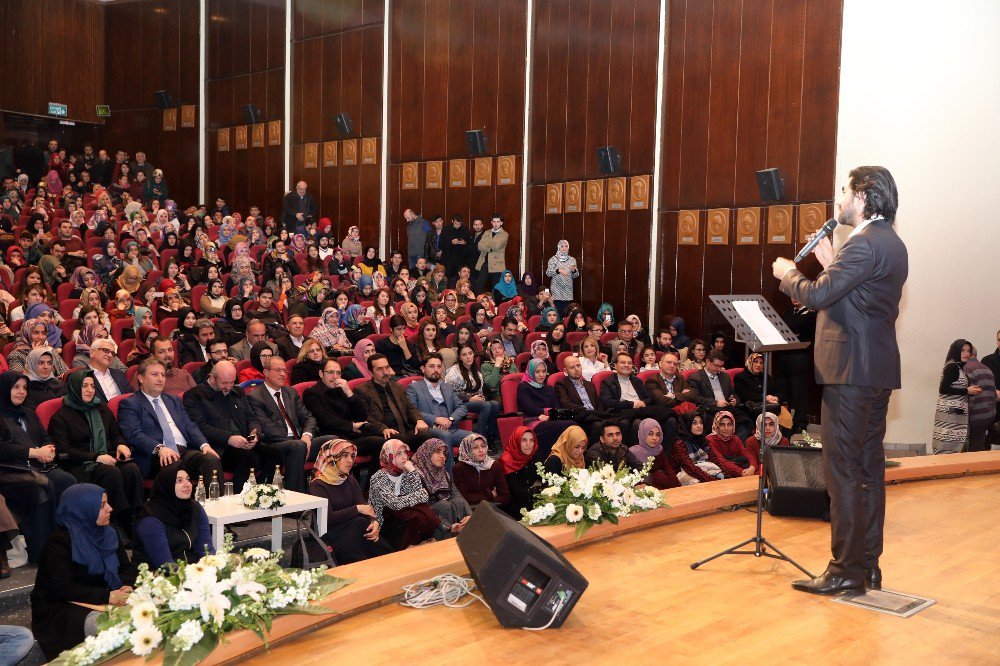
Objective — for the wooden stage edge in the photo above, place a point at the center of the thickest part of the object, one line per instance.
(381, 581)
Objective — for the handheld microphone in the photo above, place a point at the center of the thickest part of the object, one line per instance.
(824, 231)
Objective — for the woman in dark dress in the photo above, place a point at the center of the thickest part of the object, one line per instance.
(534, 398)
(83, 562)
(568, 452)
(42, 382)
(171, 525)
(351, 528)
(90, 446)
(519, 470)
(662, 474)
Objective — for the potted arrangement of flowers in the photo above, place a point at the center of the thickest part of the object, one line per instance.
(263, 496)
(587, 497)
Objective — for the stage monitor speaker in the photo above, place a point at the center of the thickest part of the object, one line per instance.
(521, 576)
(163, 99)
(344, 125)
(796, 481)
(252, 114)
(771, 184)
(609, 159)
(475, 140)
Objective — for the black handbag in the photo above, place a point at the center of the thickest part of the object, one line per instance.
(309, 550)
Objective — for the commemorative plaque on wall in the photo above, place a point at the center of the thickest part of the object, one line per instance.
(718, 226)
(310, 155)
(434, 173)
(811, 218)
(616, 193)
(169, 120)
(506, 170)
(222, 139)
(595, 196)
(687, 227)
(329, 153)
(572, 197)
(274, 133)
(240, 135)
(369, 151)
(748, 226)
(639, 192)
(779, 224)
(456, 173)
(188, 115)
(553, 198)
(410, 177)
(350, 148)
(482, 171)
(257, 136)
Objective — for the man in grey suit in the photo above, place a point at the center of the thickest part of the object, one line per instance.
(857, 360)
(439, 405)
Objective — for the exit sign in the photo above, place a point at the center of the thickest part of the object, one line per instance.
(60, 110)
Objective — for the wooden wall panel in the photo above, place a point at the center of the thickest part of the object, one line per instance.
(456, 65)
(749, 85)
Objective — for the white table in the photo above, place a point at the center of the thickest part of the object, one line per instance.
(226, 510)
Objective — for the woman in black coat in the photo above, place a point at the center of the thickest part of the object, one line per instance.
(91, 446)
(83, 562)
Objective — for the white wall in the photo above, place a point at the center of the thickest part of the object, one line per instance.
(920, 95)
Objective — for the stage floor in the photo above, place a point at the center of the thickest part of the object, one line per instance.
(645, 604)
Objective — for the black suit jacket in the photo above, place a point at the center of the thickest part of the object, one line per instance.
(190, 352)
(569, 398)
(265, 408)
(221, 416)
(290, 208)
(657, 387)
(611, 392)
(335, 413)
(703, 395)
(857, 301)
(404, 411)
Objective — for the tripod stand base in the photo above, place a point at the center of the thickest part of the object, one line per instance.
(759, 551)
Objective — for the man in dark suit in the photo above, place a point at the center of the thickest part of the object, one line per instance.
(191, 351)
(288, 426)
(390, 412)
(576, 393)
(792, 368)
(712, 388)
(667, 387)
(856, 298)
(298, 208)
(222, 412)
(111, 382)
(624, 395)
(512, 341)
(290, 345)
(159, 430)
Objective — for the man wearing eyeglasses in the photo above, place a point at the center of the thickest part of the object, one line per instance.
(111, 382)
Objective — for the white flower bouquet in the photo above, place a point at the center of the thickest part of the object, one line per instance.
(263, 496)
(587, 497)
(186, 609)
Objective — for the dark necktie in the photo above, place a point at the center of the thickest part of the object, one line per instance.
(284, 414)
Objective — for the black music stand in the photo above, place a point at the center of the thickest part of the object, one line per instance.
(745, 333)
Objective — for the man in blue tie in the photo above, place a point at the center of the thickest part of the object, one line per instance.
(159, 430)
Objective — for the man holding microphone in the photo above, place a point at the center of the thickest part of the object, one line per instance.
(857, 299)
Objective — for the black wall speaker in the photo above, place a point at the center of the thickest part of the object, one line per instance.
(610, 160)
(344, 125)
(475, 140)
(521, 576)
(798, 486)
(771, 184)
(163, 99)
(252, 114)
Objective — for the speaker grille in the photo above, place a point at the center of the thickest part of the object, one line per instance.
(797, 468)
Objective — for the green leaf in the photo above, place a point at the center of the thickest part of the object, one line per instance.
(582, 527)
(198, 652)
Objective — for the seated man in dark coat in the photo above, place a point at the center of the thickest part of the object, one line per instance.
(576, 393)
(712, 387)
(390, 411)
(624, 395)
(667, 387)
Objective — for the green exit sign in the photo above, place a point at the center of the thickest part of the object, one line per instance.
(60, 110)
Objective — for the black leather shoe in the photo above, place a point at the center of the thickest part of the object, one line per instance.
(873, 578)
(828, 583)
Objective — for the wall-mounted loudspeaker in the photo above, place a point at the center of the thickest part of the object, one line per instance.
(609, 159)
(252, 114)
(475, 140)
(771, 184)
(163, 99)
(798, 486)
(344, 125)
(524, 579)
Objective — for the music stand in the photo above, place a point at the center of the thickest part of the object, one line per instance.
(746, 333)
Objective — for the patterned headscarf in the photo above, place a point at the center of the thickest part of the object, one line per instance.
(435, 478)
(773, 440)
(529, 373)
(326, 460)
(465, 452)
(387, 457)
(715, 424)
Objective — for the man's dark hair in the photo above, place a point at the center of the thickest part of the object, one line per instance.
(879, 188)
(373, 358)
(429, 356)
(60, 243)
(715, 355)
(507, 321)
(396, 320)
(496, 216)
(265, 290)
(609, 424)
(457, 217)
(661, 331)
(437, 216)
(160, 340)
(216, 341)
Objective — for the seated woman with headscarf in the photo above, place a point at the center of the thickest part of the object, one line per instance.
(311, 301)
(142, 317)
(534, 399)
(476, 475)
(681, 340)
(480, 323)
(143, 348)
(398, 497)
(495, 365)
(83, 563)
(32, 335)
(691, 453)
(83, 278)
(53, 272)
(43, 383)
(517, 461)
(662, 474)
(568, 452)
(351, 528)
(329, 334)
(44, 313)
(772, 436)
(506, 288)
(213, 301)
(549, 318)
(91, 447)
(445, 498)
(370, 262)
(540, 350)
(254, 374)
(734, 458)
(93, 298)
(171, 526)
(29, 480)
(232, 327)
(749, 387)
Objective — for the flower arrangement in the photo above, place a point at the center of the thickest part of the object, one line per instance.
(587, 497)
(263, 496)
(186, 609)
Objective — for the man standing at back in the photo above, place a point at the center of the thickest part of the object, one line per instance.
(856, 298)
(298, 208)
(416, 235)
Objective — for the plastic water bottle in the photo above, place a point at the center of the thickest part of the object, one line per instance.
(199, 493)
(279, 480)
(213, 488)
(252, 481)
